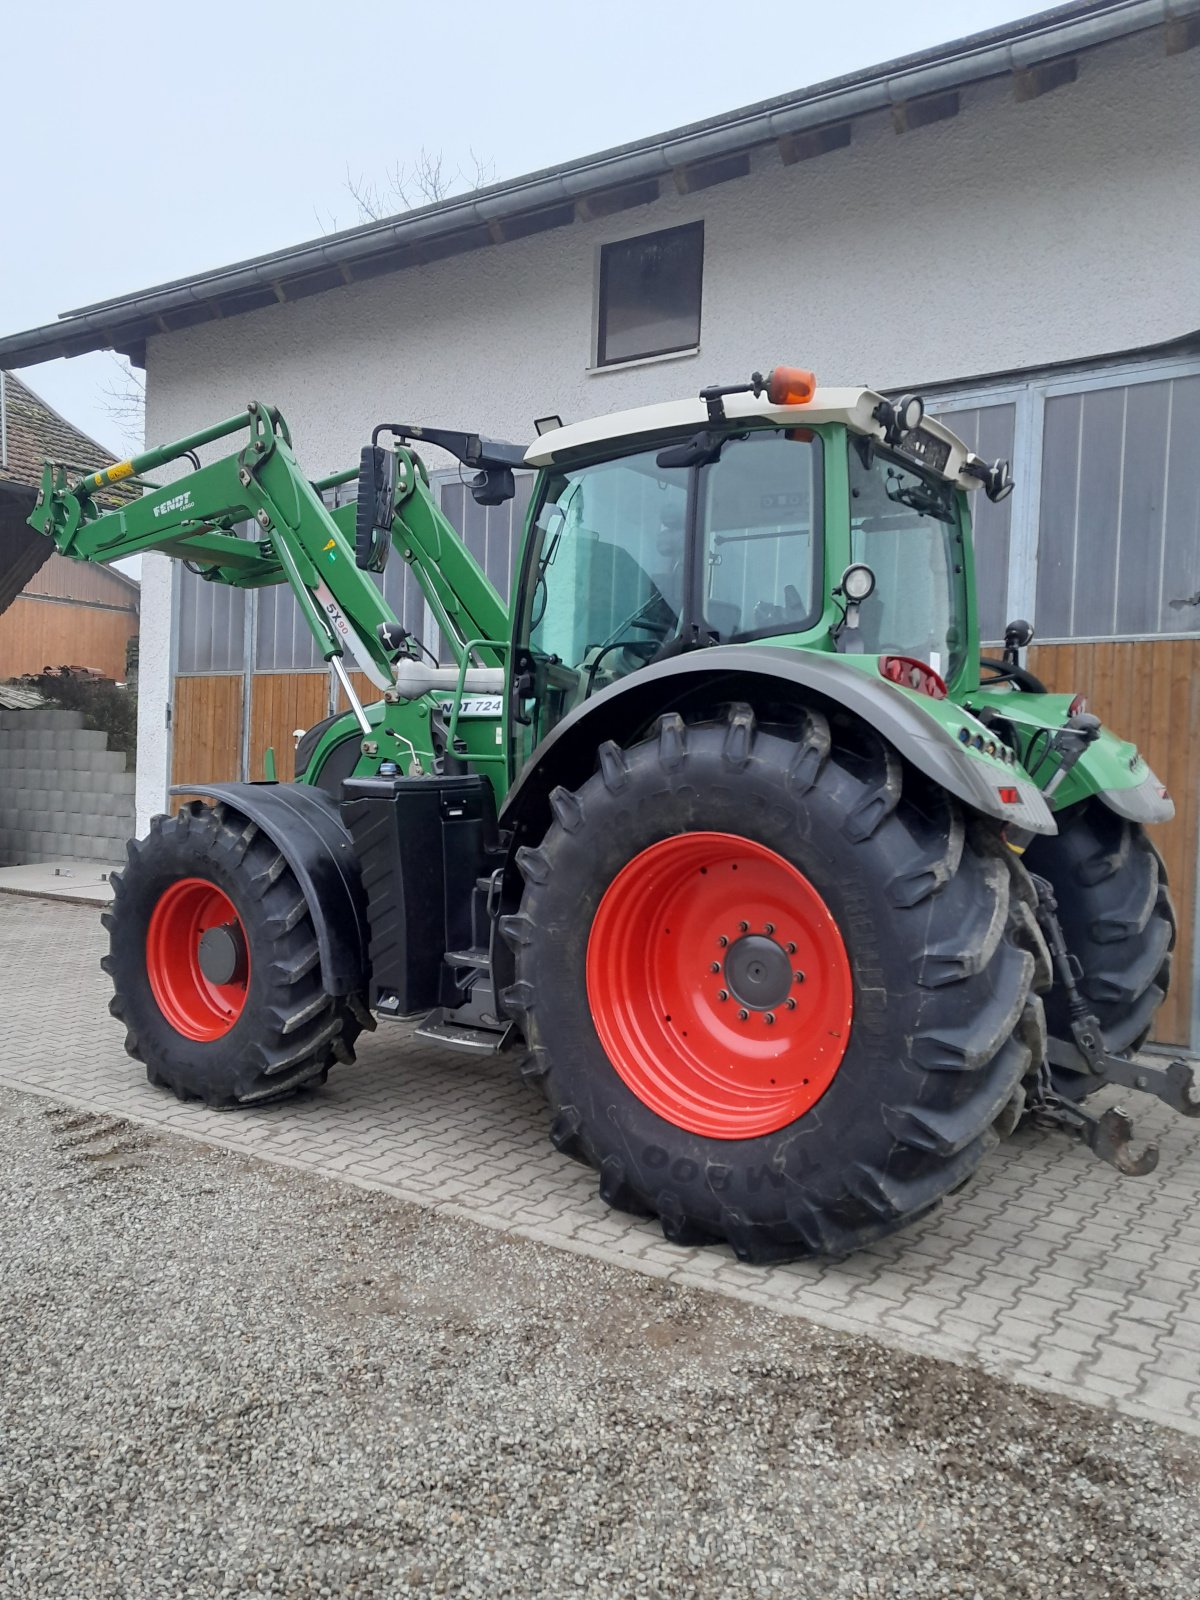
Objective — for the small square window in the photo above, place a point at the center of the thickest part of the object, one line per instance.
(650, 294)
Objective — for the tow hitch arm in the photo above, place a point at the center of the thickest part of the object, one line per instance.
(1110, 1135)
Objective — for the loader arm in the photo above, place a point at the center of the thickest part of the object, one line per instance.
(468, 609)
(300, 541)
(465, 604)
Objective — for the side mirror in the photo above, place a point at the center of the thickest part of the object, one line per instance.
(1018, 636)
(376, 508)
(493, 486)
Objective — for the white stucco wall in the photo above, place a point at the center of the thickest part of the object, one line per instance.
(1011, 235)
(154, 678)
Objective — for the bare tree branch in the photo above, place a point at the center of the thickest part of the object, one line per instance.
(126, 403)
(426, 181)
(482, 172)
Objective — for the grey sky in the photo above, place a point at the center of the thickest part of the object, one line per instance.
(150, 141)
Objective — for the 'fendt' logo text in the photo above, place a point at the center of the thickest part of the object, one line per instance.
(177, 502)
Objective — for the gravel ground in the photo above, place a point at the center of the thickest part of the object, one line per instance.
(223, 1378)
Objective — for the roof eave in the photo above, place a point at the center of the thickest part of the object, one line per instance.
(696, 156)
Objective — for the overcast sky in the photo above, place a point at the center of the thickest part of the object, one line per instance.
(150, 141)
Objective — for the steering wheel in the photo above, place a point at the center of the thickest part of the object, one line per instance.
(1005, 672)
(641, 647)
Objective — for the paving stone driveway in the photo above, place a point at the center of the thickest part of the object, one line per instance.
(1048, 1267)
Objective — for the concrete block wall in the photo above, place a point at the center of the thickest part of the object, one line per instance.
(64, 795)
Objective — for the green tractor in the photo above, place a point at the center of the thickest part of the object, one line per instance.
(790, 903)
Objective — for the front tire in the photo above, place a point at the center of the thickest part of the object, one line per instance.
(799, 1140)
(246, 1019)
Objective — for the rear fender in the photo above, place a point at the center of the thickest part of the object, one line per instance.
(925, 732)
(304, 823)
(1112, 769)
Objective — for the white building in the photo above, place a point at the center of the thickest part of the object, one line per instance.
(1009, 224)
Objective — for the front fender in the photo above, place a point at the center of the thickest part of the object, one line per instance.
(304, 823)
(927, 733)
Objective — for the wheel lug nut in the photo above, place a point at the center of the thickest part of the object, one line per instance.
(790, 948)
(722, 994)
(714, 966)
(769, 1018)
(744, 927)
(743, 1016)
(769, 928)
(799, 977)
(790, 1003)
(722, 941)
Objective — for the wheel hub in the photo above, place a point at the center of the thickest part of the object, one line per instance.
(758, 972)
(222, 953)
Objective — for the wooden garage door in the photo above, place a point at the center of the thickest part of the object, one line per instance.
(1150, 692)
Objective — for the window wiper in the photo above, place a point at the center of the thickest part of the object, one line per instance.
(922, 498)
(701, 450)
(750, 538)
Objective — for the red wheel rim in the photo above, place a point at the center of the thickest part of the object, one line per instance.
(193, 1004)
(700, 916)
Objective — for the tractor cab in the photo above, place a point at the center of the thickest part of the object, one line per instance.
(721, 521)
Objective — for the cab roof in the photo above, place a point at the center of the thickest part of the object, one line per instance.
(852, 407)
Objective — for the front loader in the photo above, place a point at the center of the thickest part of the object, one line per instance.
(723, 830)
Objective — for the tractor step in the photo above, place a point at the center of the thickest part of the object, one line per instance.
(439, 1028)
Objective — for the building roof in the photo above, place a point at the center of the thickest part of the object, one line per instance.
(1039, 52)
(31, 431)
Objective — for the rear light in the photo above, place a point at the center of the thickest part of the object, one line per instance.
(1009, 796)
(910, 674)
(790, 386)
(1077, 705)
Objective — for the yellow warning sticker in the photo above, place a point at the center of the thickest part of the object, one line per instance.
(123, 469)
(330, 546)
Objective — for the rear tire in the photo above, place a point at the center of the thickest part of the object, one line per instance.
(934, 915)
(1118, 921)
(281, 1030)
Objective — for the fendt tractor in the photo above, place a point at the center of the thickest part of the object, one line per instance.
(790, 902)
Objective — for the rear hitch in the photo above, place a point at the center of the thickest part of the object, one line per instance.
(1110, 1135)
(1175, 1084)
